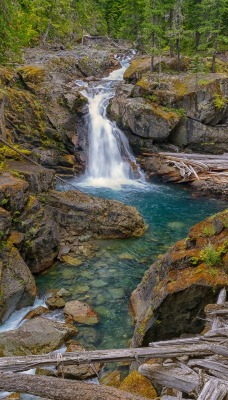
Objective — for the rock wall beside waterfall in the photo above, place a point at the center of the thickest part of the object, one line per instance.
(42, 109)
(37, 224)
(171, 298)
(159, 111)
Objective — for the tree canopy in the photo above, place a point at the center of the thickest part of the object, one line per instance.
(189, 26)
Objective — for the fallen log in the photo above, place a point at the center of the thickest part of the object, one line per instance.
(61, 389)
(24, 363)
(213, 390)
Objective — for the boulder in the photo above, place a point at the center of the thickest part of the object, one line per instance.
(36, 312)
(171, 298)
(138, 384)
(93, 217)
(17, 285)
(196, 135)
(80, 312)
(38, 335)
(144, 119)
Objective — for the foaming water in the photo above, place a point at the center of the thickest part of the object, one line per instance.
(110, 159)
(14, 321)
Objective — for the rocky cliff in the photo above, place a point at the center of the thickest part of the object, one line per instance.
(171, 298)
(171, 111)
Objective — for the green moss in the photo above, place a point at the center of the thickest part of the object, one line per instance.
(213, 257)
(209, 230)
(219, 101)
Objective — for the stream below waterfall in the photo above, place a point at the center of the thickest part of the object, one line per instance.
(107, 280)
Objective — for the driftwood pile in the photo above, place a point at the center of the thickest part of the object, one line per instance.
(194, 368)
(197, 376)
(189, 167)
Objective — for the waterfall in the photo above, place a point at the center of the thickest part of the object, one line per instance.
(110, 159)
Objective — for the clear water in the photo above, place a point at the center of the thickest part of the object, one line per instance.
(107, 280)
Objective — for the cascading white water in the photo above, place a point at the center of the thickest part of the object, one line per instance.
(109, 154)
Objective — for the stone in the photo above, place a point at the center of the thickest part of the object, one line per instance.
(17, 285)
(38, 335)
(116, 293)
(55, 302)
(100, 218)
(36, 312)
(138, 384)
(80, 312)
(98, 283)
(71, 260)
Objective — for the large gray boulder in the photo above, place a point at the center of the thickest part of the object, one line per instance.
(38, 335)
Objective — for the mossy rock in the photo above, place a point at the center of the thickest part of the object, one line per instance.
(31, 73)
(138, 384)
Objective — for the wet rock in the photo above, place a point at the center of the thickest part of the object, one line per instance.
(171, 298)
(37, 312)
(55, 302)
(80, 312)
(17, 285)
(98, 283)
(116, 293)
(39, 335)
(71, 260)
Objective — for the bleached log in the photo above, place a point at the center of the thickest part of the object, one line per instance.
(24, 363)
(61, 389)
(186, 341)
(213, 390)
(210, 365)
(185, 380)
(221, 350)
(217, 332)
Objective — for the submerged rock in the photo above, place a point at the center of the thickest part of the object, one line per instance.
(38, 335)
(80, 312)
(171, 298)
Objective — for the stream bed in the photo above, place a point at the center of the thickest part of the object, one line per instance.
(107, 280)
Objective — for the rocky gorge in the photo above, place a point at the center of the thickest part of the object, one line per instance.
(42, 116)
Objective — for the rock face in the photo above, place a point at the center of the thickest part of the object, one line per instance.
(36, 224)
(39, 335)
(188, 111)
(173, 293)
(80, 312)
(17, 285)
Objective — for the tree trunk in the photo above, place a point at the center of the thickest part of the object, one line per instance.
(178, 53)
(171, 28)
(197, 39)
(47, 32)
(61, 389)
(153, 51)
(2, 118)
